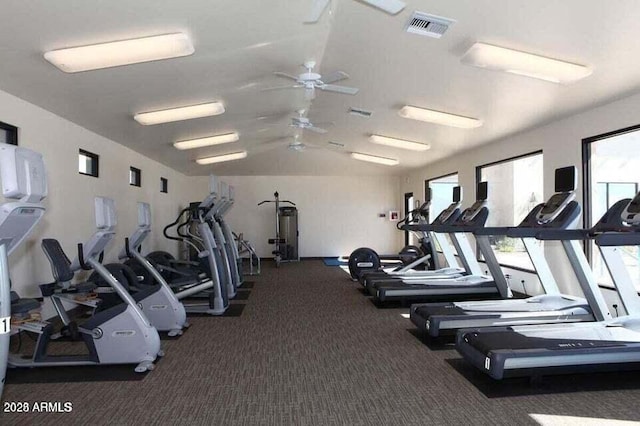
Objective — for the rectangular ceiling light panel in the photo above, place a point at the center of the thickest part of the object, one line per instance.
(399, 143)
(374, 159)
(208, 141)
(222, 158)
(118, 53)
(527, 64)
(179, 114)
(439, 117)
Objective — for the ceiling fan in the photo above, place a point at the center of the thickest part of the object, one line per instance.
(303, 123)
(390, 6)
(311, 81)
(296, 144)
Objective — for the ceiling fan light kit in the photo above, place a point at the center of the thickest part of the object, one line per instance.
(439, 117)
(179, 113)
(222, 158)
(118, 53)
(208, 141)
(399, 143)
(374, 159)
(497, 58)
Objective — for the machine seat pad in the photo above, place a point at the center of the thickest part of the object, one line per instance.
(22, 306)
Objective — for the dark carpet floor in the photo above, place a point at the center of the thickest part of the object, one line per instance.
(310, 349)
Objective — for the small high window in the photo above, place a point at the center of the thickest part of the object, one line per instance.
(164, 185)
(8, 134)
(88, 163)
(135, 176)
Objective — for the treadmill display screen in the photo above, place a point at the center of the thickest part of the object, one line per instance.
(554, 203)
(457, 194)
(565, 179)
(482, 191)
(634, 205)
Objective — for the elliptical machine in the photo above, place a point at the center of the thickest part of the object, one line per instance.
(285, 244)
(364, 259)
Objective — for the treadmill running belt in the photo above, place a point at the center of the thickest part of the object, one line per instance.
(499, 340)
(448, 309)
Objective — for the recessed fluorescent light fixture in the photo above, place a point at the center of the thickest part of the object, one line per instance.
(118, 53)
(516, 62)
(222, 158)
(399, 143)
(178, 114)
(439, 117)
(208, 141)
(374, 159)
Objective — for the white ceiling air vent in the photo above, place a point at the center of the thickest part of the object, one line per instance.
(360, 112)
(428, 25)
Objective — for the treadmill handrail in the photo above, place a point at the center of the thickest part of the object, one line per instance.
(611, 239)
(565, 234)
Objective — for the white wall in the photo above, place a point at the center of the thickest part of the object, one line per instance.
(561, 144)
(337, 214)
(70, 216)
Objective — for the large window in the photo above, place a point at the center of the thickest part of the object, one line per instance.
(515, 187)
(611, 173)
(441, 193)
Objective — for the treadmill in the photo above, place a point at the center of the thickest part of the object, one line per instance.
(613, 344)
(548, 221)
(473, 286)
(447, 217)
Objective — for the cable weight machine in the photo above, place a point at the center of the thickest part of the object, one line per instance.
(285, 243)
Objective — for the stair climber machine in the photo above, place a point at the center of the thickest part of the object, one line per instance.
(286, 239)
(611, 344)
(364, 260)
(23, 179)
(412, 269)
(552, 219)
(117, 334)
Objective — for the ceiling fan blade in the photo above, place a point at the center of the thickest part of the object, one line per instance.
(295, 86)
(269, 145)
(324, 123)
(339, 89)
(316, 129)
(390, 6)
(334, 76)
(285, 75)
(316, 11)
(313, 146)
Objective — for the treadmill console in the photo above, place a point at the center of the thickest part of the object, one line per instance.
(446, 214)
(631, 214)
(554, 206)
(565, 179)
(473, 211)
(457, 194)
(481, 201)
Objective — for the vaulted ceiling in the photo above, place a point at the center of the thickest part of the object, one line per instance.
(240, 44)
